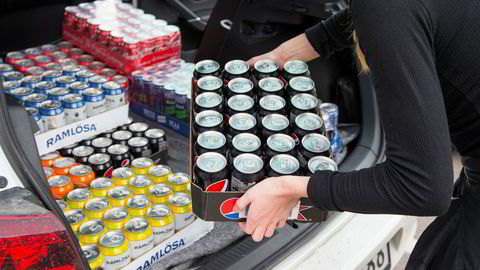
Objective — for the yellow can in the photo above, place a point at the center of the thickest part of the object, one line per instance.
(116, 218)
(63, 205)
(100, 187)
(159, 194)
(76, 218)
(159, 174)
(181, 205)
(160, 218)
(138, 205)
(93, 256)
(96, 208)
(141, 166)
(179, 182)
(114, 248)
(90, 232)
(118, 196)
(139, 235)
(122, 176)
(77, 198)
(140, 185)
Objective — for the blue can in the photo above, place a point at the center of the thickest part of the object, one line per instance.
(97, 81)
(137, 80)
(84, 75)
(57, 93)
(71, 70)
(65, 81)
(78, 87)
(52, 113)
(4, 68)
(52, 75)
(33, 112)
(95, 100)
(43, 87)
(74, 107)
(34, 100)
(13, 76)
(329, 112)
(21, 93)
(114, 95)
(9, 86)
(31, 80)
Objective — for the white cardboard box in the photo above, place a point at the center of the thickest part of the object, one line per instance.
(177, 242)
(55, 139)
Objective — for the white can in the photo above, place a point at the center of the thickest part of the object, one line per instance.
(161, 219)
(95, 101)
(53, 115)
(75, 108)
(139, 235)
(114, 95)
(114, 248)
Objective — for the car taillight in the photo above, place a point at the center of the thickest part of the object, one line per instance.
(36, 242)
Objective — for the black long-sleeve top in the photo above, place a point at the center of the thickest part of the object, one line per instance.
(424, 57)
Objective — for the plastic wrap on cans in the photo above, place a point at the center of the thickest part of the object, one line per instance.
(114, 95)
(138, 205)
(181, 205)
(160, 193)
(95, 208)
(140, 185)
(101, 186)
(159, 174)
(122, 176)
(139, 235)
(161, 219)
(119, 196)
(94, 257)
(53, 114)
(76, 218)
(77, 198)
(90, 232)
(179, 182)
(141, 166)
(95, 101)
(114, 248)
(115, 218)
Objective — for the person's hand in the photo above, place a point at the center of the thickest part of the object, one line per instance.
(272, 55)
(271, 202)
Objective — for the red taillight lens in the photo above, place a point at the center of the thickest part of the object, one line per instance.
(36, 242)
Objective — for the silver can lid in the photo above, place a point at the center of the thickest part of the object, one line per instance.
(72, 98)
(211, 140)
(159, 211)
(284, 164)
(80, 170)
(301, 84)
(63, 162)
(328, 108)
(36, 97)
(281, 143)
(271, 84)
(320, 163)
(136, 225)
(272, 102)
(160, 170)
(82, 151)
(101, 183)
(98, 159)
(66, 79)
(309, 121)
(241, 103)
(237, 67)
(211, 162)
(111, 85)
(295, 67)
(248, 163)
(117, 149)
(98, 79)
(138, 201)
(209, 118)
(116, 214)
(58, 181)
(207, 66)
(50, 156)
(240, 85)
(180, 199)
(79, 85)
(73, 145)
(79, 194)
(304, 101)
(52, 73)
(122, 135)
(160, 190)
(91, 252)
(138, 127)
(140, 181)
(137, 142)
(142, 162)
(179, 178)
(266, 66)
(208, 100)
(51, 104)
(122, 173)
(246, 142)
(242, 121)
(102, 142)
(91, 227)
(112, 239)
(119, 193)
(154, 133)
(315, 143)
(97, 204)
(93, 92)
(75, 216)
(209, 83)
(85, 73)
(275, 122)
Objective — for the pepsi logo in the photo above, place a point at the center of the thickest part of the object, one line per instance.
(219, 186)
(226, 209)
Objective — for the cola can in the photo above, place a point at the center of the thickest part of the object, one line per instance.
(157, 139)
(208, 101)
(49, 49)
(265, 68)
(64, 46)
(108, 133)
(320, 163)
(209, 168)
(280, 165)
(308, 123)
(82, 153)
(271, 86)
(101, 144)
(206, 68)
(13, 57)
(301, 85)
(312, 145)
(43, 60)
(31, 53)
(247, 171)
(208, 120)
(100, 164)
(120, 155)
(240, 104)
(303, 103)
(24, 64)
(97, 66)
(279, 144)
(67, 151)
(241, 123)
(236, 69)
(209, 84)
(244, 143)
(121, 136)
(210, 141)
(139, 147)
(271, 104)
(138, 129)
(85, 60)
(64, 62)
(58, 56)
(273, 124)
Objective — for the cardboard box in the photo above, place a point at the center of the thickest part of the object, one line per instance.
(69, 134)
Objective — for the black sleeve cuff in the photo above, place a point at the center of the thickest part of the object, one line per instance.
(319, 190)
(317, 36)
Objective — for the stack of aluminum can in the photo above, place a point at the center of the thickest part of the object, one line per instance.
(122, 28)
(253, 123)
(59, 84)
(165, 88)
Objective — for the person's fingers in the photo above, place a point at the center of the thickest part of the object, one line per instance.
(281, 224)
(242, 202)
(257, 236)
(251, 224)
(270, 230)
(241, 225)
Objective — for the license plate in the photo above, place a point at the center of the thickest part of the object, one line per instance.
(381, 261)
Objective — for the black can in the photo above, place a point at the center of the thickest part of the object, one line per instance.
(157, 139)
(245, 143)
(125, 127)
(280, 165)
(100, 163)
(273, 124)
(108, 133)
(265, 68)
(206, 68)
(246, 172)
(236, 69)
(207, 120)
(209, 168)
(240, 104)
(270, 86)
(88, 141)
(279, 144)
(120, 155)
(67, 150)
(210, 141)
(101, 144)
(303, 103)
(312, 145)
(240, 86)
(121, 136)
(306, 123)
(271, 104)
(209, 84)
(320, 163)
(241, 123)
(139, 147)
(301, 85)
(138, 129)
(82, 153)
(295, 68)
(208, 101)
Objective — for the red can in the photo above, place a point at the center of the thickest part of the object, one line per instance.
(116, 38)
(31, 53)
(67, 62)
(53, 66)
(131, 45)
(69, 15)
(93, 24)
(43, 60)
(97, 66)
(24, 64)
(59, 56)
(104, 31)
(13, 57)
(131, 31)
(81, 19)
(122, 80)
(35, 70)
(65, 46)
(108, 72)
(85, 60)
(75, 53)
(48, 49)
